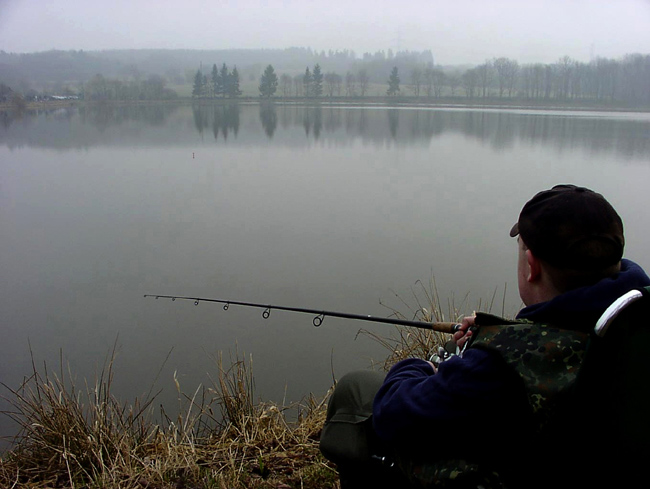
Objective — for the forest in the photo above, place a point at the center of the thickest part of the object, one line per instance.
(304, 73)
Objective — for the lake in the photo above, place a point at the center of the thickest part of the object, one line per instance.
(334, 208)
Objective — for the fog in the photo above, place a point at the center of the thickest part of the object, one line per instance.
(462, 31)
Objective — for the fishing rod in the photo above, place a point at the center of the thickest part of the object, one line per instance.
(443, 327)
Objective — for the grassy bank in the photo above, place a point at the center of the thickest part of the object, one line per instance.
(74, 437)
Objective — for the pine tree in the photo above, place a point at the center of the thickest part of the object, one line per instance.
(215, 80)
(225, 80)
(206, 86)
(234, 90)
(317, 82)
(268, 82)
(219, 87)
(393, 82)
(197, 90)
(307, 82)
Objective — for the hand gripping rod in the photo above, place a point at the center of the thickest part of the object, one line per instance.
(443, 327)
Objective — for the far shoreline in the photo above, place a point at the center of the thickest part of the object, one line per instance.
(372, 101)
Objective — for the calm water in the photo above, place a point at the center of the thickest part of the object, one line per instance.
(324, 208)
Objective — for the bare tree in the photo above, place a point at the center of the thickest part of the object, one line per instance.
(416, 80)
(506, 71)
(609, 76)
(454, 82)
(364, 81)
(285, 82)
(530, 79)
(501, 67)
(434, 80)
(469, 81)
(563, 69)
(549, 80)
(298, 85)
(485, 76)
(577, 83)
(333, 83)
(428, 80)
(537, 80)
(512, 75)
(350, 84)
(439, 80)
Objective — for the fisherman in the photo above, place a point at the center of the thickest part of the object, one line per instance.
(502, 412)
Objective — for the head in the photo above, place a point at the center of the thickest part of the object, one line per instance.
(568, 237)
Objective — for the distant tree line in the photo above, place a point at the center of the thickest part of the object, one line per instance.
(80, 66)
(314, 83)
(311, 84)
(222, 83)
(105, 89)
(603, 80)
(98, 89)
(343, 74)
(56, 71)
(6, 93)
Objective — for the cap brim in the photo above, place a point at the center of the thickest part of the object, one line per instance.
(515, 230)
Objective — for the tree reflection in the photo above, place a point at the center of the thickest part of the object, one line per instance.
(393, 122)
(225, 118)
(221, 118)
(200, 117)
(269, 118)
(104, 116)
(312, 120)
(95, 124)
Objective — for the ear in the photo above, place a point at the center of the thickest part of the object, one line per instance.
(534, 267)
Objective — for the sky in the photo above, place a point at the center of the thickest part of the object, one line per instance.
(456, 31)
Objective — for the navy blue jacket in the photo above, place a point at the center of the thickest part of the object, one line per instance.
(414, 407)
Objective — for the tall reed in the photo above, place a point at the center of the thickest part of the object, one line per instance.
(424, 304)
(221, 438)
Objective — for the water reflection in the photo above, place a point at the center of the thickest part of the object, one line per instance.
(104, 116)
(269, 118)
(222, 119)
(103, 204)
(623, 134)
(312, 120)
(393, 121)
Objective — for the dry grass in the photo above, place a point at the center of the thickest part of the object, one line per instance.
(220, 439)
(424, 304)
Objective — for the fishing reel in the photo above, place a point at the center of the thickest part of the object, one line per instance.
(444, 353)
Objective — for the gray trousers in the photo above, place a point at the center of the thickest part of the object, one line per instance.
(348, 438)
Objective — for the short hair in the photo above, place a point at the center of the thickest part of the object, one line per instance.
(565, 279)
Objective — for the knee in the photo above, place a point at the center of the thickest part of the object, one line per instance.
(360, 380)
(355, 392)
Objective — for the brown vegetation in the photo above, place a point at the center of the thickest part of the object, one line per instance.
(221, 438)
(71, 438)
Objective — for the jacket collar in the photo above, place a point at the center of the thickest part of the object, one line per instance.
(581, 308)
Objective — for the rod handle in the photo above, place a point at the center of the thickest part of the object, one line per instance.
(445, 327)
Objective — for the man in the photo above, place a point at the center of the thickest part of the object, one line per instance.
(504, 411)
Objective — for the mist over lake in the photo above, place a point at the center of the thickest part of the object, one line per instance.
(334, 208)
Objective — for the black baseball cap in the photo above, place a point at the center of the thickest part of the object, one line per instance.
(571, 227)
